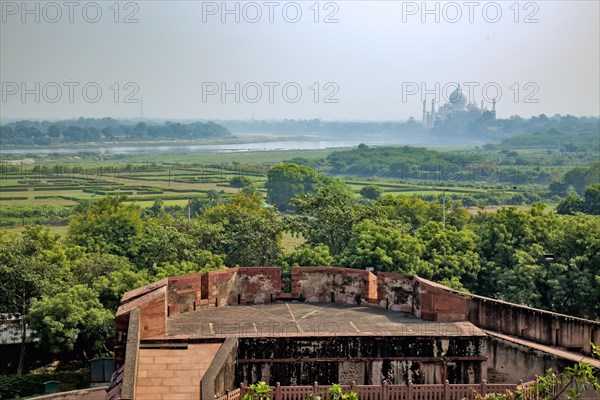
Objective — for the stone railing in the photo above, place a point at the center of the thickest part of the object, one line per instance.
(445, 391)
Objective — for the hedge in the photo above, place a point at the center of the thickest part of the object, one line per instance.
(13, 198)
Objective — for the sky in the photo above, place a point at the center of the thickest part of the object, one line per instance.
(333, 60)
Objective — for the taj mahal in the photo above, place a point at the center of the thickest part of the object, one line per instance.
(458, 107)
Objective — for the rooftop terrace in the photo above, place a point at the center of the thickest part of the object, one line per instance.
(285, 319)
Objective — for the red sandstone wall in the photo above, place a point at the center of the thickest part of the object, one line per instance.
(173, 374)
(438, 304)
(183, 293)
(153, 315)
(259, 285)
(348, 286)
(246, 284)
(151, 301)
(395, 292)
(220, 285)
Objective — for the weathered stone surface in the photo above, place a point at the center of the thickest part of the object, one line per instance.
(337, 325)
(535, 325)
(131, 356)
(362, 359)
(351, 371)
(395, 291)
(336, 285)
(283, 319)
(220, 376)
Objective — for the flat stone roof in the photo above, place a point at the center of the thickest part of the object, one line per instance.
(288, 319)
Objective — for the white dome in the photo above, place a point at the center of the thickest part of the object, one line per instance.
(458, 98)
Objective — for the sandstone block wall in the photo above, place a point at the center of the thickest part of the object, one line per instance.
(329, 284)
(173, 374)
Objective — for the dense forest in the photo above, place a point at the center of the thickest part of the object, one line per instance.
(85, 130)
(422, 164)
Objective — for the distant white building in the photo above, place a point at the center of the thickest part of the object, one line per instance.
(10, 329)
(457, 107)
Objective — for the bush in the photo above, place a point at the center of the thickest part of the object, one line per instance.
(12, 386)
(371, 192)
(12, 198)
(335, 393)
(240, 181)
(258, 391)
(15, 386)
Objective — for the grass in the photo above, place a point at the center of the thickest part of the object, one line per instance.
(57, 230)
(290, 243)
(54, 201)
(176, 184)
(174, 178)
(259, 157)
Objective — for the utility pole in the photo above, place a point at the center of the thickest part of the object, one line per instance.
(189, 210)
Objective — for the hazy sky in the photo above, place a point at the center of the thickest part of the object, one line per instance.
(371, 61)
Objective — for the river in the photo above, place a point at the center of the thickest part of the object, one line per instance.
(288, 143)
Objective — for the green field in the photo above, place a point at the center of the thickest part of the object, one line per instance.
(61, 181)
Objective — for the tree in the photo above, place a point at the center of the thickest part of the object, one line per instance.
(571, 205)
(205, 261)
(371, 192)
(327, 217)
(307, 256)
(201, 203)
(386, 248)
(581, 177)
(156, 210)
(74, 318)
(88, 267)
(507, 238)
(240, 181)
(412, 210)
(573, 278)
(451, 254)
(286, 181)
(521, 283)
(161, 243)
(251, 232)
(54, 131)
(591, 201)
(31, 265)
(110, 289)
(253, 238)
(108, 225)
(170, 242)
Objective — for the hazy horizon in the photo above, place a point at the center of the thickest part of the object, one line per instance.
(361, 61)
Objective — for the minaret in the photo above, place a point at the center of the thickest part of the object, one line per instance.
(481, 105)
(432, 111)
(424, 113)
(494, 108)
